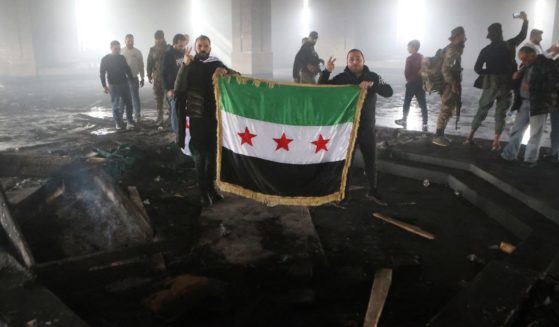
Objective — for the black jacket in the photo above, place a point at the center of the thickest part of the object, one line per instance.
(194, 83)
(115, 69)
(544, 86)
(499, 56)
(172, 61)
(306, 56)
(379, 87)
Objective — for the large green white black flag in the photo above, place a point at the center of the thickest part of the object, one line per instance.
(285, 143)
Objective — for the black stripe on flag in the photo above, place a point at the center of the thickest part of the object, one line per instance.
(273, 178)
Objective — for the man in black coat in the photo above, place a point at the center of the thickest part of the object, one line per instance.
(357, 73)
(495, 66)
(196, 99)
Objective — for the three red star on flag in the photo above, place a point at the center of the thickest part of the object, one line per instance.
(283, 142)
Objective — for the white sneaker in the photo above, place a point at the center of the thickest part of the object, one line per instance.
(119, 126)
(130, 126)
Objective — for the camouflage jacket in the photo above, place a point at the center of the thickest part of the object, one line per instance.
(452, 64)
(155, 56)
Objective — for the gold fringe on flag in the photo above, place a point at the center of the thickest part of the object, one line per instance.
(276, 199)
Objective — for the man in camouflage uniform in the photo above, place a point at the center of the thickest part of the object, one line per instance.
(154, 72)
(452, 90)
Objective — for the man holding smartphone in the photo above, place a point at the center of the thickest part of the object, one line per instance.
(495, 66)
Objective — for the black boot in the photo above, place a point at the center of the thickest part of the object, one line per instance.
(214, 194)
(205, 200)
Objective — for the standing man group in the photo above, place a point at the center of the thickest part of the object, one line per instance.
(495, 65)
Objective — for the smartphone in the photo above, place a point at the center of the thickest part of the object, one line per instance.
(516, 15)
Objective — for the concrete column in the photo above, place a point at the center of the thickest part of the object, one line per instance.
(556, 24)
(16, 50)
(252, 34)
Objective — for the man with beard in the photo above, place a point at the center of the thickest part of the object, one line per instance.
(452, 90)
(358, 74)
(155, 57)
(495, 66)
(172, 61)
(196, 100)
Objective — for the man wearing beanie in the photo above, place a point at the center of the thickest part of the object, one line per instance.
(495, 66)
(452, 89)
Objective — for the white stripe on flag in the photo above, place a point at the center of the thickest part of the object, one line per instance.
(301, 150)
(186, 149)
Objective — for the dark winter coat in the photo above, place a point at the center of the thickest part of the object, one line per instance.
(379, 87)
(194, 83)
(544, 86)
(172, 61)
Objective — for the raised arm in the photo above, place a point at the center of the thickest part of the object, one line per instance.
(515, 41)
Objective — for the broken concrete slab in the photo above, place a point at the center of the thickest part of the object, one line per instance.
(493, 298)
(242, 232)
(12, 230)
(28, 300)
(91, 215)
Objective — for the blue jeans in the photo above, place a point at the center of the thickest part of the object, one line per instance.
(522, 121)
(121, 93)
(172, 101)
(134, 85)
(554, 133)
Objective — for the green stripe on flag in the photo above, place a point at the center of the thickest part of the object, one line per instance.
(288, 104)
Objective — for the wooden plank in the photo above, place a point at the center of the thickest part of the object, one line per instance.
(408, 227)
(121, 200)
(12, 230)
(105, 258)
(137, 200)
(379, 293)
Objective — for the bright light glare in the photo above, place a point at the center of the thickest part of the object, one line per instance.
(93, 32)
(221, 45)
(411, 20)
(196, 17)
(306, 18)
(539, 14)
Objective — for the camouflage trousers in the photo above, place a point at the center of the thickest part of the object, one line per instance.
(449, 103)
(159, 93)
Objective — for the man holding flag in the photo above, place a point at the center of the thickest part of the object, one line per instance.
(357, 73)
(196, 99)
